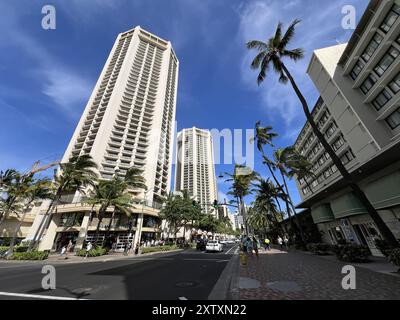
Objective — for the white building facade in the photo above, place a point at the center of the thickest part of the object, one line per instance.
(194, 169)
(359, 113)
(128, 122)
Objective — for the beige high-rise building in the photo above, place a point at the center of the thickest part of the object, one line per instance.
(130, 117)
(194, 169)
(128, 122)
(359, 113)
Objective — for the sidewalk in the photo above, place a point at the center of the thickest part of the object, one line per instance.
(295, 275)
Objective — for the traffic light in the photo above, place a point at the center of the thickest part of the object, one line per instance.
(215, 204)
(194, 203)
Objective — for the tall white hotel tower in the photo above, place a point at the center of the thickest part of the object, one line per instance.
(129, 119)
(194, 170)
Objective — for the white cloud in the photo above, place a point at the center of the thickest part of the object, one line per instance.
(319, 28)
(66, 89)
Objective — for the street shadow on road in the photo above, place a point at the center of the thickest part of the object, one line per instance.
(74, 294)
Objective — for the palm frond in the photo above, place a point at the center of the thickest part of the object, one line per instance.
(290, 32)
(255, 44)
(295, 54)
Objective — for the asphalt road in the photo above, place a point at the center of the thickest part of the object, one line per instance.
(182, 275)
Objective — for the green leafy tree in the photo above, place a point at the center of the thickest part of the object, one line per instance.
(273, 53)
(110, 194)
(75, 175)
(241, 181)
(33, 190)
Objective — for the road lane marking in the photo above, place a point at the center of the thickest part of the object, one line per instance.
(37, 296)
(183, 298)
(230, 249)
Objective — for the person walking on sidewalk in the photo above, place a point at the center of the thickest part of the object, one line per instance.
(286, 242)
(249, 245)
(267, 244)
(89, 247)
(126, 248)
(255, 245)
(280, 242)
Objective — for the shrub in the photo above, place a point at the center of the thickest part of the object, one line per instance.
(394, 257)
(158, 249)
(30, 255)
(96, 252)
(383, 246)
(20, 249)
(321, 249)
(352, 252)
(4, 248)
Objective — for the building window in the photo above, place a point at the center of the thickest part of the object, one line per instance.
(383, 98)
(306, 190)
(347, 157)
(331, 130)
(372, 46)
(357, 69)
(394, 119)
(391, 18)
(386, 61)
(368, 83)
(395, 84)
(338, 143)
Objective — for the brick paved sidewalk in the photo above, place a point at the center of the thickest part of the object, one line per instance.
(279, 275)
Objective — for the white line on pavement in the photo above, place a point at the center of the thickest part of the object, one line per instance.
(36, 296)
(183, 298)
(230, 249)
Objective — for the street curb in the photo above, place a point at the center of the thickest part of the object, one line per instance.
(104, 258)
(227, 287)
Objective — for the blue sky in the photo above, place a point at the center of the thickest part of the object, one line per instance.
(46, 77)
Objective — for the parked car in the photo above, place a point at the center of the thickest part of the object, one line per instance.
(201, 245)
(214, 246)
(231, 242)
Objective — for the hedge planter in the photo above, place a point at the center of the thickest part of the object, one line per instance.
(352, 253)
(147, 250)
(321, 249)
(96, 252)
(31, 255)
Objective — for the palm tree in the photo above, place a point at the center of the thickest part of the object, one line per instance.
(75, 175)
(267, 195)
(263, 137)
(33, 190)
(11, 189)
(241, 180)
(110, 193)
(273, 52)
(281, 159)
(170, 212)
(299, 166)
(134, 179)
(259, 221)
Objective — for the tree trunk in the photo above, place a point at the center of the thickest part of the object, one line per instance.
(282, 190)
(383, 228)
(293, 207)
(108, 228)
(14, 237)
